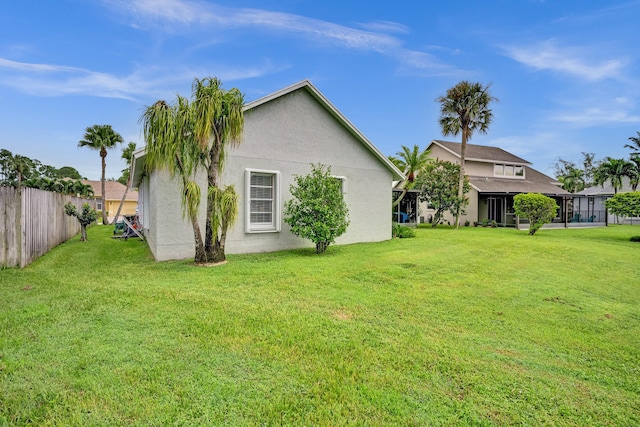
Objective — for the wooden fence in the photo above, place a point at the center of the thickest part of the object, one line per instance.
(32, 222)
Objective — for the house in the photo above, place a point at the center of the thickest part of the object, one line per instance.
(496, 176)
(113, 195)
(588, 205)
(284, 133)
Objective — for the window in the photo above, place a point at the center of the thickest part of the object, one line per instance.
(263, 201)
(98, 205)
(508, 171)
(343, 185)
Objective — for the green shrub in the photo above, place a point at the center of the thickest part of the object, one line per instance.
(635, 238)
(538, 208)
(402, 231)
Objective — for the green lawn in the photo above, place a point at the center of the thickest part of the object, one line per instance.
(477, 326)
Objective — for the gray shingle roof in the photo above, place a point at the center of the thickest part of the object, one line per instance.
(481, 153)
(534, 182)
(605, 189)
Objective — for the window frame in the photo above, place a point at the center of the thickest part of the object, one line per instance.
(344, 185)
(513, 168)
(276, 209)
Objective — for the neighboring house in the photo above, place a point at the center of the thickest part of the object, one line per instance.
(588, 204)
(496, 176)
(113, 192)
(283, 134)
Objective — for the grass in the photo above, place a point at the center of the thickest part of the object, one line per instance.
(469, 327)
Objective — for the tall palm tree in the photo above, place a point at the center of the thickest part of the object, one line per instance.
(127, 154)
(410, 162)
(635, 144)
(101, 138)
(189, 136)
(464, 109)
(614, 170)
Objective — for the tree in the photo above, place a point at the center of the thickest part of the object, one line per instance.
(438, 185)
(101, 138)
(188, 137)
(127, 154)
(635, 179)
(85, 217)
(624, 204)
(410, 162)
(614, 170)
(68, 172)
(317, 210)
(635, 144)
(538, 208)
(464, 109)
(575, 178)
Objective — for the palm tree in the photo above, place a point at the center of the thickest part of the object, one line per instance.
(189, 136)
(127, 154)
(635, 144)
(410, 162)
(464, 109)
(635, 180)
(614, 170)
(573, 180)
(101, 138)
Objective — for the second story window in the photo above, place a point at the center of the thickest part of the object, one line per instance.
(508, 171)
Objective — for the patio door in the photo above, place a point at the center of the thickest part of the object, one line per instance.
(496, 209)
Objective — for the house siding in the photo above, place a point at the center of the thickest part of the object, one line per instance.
(285, 134)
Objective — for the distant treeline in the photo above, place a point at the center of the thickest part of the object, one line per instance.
(17, 170)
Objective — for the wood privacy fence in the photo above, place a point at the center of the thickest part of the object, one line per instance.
(32, 222)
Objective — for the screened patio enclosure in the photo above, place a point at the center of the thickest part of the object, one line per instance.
(499, 208)
(406, 212)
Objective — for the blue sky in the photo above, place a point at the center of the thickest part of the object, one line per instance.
(566, 72)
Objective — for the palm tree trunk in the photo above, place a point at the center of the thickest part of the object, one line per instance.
(211, 242)
(124, 196)
(105, 220)
(463, 150)
(201, 255)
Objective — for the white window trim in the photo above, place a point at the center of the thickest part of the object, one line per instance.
(344, 184)
(514, 176)
(277, 209)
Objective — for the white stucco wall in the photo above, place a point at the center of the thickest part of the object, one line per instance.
(286, 135)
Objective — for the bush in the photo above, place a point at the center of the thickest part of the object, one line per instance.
(635, 238)
(317, 211)
(402, 231)
(538, 208)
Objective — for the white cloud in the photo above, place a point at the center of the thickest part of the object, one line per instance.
(597, 116)
(573, 61)
(386, 27)
(211, 17)
(60, 80)
(36, 68)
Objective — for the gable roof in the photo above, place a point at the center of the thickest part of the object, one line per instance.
(113, 190)
(480, 153)
(341, 118)
(137, 164)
